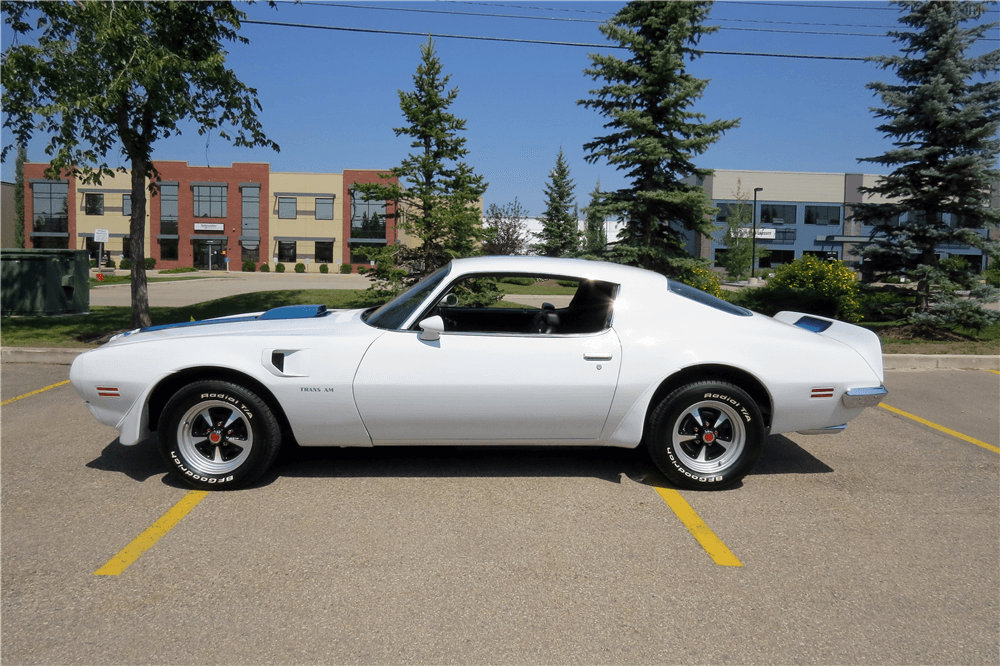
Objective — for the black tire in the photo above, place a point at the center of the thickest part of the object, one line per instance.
(712, 454)
(216, 435)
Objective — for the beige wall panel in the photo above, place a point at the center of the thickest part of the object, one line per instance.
(780, 185)
(114, 219)
(305, 223)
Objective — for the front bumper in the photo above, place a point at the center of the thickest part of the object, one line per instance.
(859, 398)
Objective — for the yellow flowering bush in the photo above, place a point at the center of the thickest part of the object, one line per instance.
(702, 278)
(824, 279)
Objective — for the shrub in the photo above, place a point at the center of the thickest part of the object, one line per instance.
(568, 283)
(825, 288)
(93, 263)
(362, 270)
(703, 279)
(111, 263)
(279, 267)
(264, 268)
(149, 263)
(249, 266)
(182, 269)
(126, 264)
(522, 281)
(992, 274)
(300, 267)
(324, 268)
(346, 269)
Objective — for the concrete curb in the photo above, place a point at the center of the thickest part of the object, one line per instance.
(889, 361)
(940, 362)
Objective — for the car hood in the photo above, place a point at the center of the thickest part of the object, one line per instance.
(282, 320)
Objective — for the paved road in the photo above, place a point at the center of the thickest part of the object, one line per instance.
(179, 292)
(875, 546)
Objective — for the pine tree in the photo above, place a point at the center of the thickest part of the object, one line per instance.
(595, 241)
(655, 134)
(439, 203)
(943, 117)
(560, 236)
(738, 237)
(22, 157)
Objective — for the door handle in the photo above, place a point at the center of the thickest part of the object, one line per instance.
(597, 357)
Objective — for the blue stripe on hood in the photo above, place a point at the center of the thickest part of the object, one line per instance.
(284, 312)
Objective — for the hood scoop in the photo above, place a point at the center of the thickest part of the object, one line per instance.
(295, 312)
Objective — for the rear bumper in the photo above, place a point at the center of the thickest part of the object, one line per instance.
(859, 398)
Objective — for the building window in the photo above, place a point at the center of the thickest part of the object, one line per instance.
(126, 247)
(168, 209)
(775, 214)
(784, 236)
(50, 243)
(286, 251)
(251, 254)
(287, 208)
(324, 252)
(168, 248)
(828, 215)
(51, 206)
(93, 204)
(367, 217)
(209, 200)
(324, 209)
(357, 248)
(127, 205)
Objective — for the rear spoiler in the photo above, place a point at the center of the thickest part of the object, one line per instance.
(861, 340)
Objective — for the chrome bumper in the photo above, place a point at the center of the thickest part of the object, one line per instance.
(859, 398)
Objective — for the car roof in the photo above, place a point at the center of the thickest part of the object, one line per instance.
(585, 269)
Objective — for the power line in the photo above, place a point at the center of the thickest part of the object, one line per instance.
(529, 41)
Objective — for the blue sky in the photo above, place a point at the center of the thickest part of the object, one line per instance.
(330, 97)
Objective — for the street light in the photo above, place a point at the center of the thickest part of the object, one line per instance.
(753, 246)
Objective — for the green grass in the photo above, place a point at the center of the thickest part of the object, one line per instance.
(538, 289)
(896, 340)
(127, 279)
(81, 330)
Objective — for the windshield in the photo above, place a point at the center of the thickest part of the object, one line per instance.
(393, 314)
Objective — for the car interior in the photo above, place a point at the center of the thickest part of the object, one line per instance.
(589, 311)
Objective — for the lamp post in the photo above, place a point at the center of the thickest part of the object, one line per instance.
(753, 241)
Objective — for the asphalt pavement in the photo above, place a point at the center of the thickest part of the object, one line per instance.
(875, 546)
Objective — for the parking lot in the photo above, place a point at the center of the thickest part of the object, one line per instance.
(880, 545)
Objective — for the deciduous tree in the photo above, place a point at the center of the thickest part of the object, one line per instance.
(112, 78)
(22, 157)
(505, 230)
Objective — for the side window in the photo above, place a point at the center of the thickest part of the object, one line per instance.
(287, 208)
(527, 305)
(93, 204)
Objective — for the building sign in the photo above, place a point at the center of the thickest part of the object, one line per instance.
(101, 235)
(205, 226)
(762, 234)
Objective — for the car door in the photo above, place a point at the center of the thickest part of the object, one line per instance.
(487, 387)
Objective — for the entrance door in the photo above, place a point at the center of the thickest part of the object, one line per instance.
(208, 255)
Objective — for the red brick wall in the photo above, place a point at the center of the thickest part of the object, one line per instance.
(35, 171)
(352, 176)
(233, 175)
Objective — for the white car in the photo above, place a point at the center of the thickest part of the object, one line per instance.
(633, 358)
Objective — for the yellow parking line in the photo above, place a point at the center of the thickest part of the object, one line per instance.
(699, 530)
(953, 433)
(145, 541)
(995, 372)
(28, 395)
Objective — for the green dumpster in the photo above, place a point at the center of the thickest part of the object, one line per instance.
(44, 282)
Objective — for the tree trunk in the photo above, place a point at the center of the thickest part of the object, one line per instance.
(137, 247)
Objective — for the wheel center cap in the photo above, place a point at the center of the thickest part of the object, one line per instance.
(214, 437)
(708, 437)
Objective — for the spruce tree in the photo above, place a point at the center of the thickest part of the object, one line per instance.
(595, 238)
(654, 133)
(437, 193)
(560, 236)
(942, 116)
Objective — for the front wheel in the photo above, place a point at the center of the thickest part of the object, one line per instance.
(706, 435)
(218, 435)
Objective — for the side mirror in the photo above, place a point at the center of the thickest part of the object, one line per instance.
(431, 328)
(451, 300)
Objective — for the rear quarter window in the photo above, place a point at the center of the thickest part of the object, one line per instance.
(699, 296)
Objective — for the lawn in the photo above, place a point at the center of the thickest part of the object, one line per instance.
(88, 329)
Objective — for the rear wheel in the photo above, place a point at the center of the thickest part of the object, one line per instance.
(706, 435)
(218, 435)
